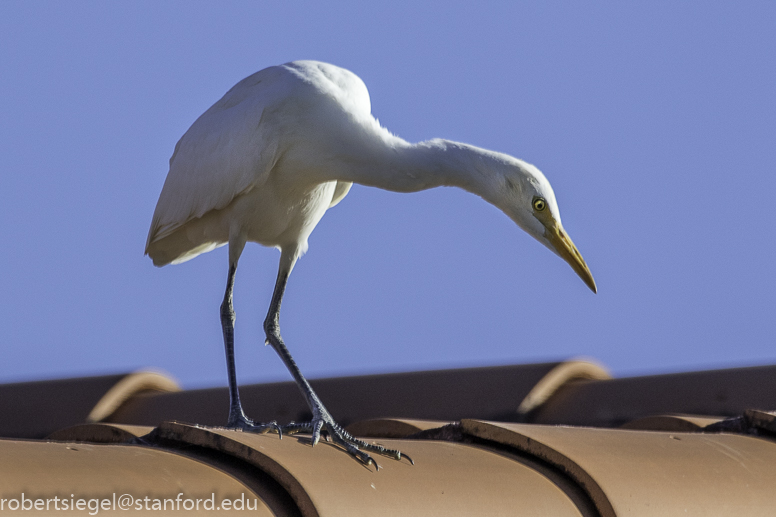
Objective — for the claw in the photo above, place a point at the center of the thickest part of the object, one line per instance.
(365, 459)
(317, 426)
(293, 428)
(246, 424)
(336, 435)
(270, 426)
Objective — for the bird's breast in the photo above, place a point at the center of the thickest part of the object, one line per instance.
(282, 215)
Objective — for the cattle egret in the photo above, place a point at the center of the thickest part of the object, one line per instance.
(284, 145)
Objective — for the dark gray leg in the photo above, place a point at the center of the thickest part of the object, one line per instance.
(321, 417)
(236, 414)
(237, 418)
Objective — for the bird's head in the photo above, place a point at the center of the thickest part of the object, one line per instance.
(525, 195)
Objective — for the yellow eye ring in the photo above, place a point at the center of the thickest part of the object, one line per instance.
(539, 204)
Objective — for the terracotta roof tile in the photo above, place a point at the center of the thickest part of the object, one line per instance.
(665, 460)
(447, 478)
(36, 409)
(678, 423)
(611, 403)
(45, 470)
(651, 473)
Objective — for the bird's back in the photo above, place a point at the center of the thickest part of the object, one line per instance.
(232, 148)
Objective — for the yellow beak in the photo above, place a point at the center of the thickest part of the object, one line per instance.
(568, 252)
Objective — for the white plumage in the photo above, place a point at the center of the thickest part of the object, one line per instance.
(265, 162)
(239, 150)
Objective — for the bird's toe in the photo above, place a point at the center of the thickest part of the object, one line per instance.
(335, 434)
(244, 423)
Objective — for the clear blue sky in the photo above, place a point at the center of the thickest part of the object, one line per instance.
(654, 121)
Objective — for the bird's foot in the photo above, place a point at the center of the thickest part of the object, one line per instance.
(333, 432)
(243, 423)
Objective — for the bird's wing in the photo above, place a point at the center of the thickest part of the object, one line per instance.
(228, 151)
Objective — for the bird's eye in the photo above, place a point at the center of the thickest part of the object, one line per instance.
(539, 204)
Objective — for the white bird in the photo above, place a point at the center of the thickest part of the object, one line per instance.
(284, 145)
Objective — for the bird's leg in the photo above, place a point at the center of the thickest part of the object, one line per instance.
(322, 420)
(237, 418)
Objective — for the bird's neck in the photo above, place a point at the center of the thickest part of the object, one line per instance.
(396, 165)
